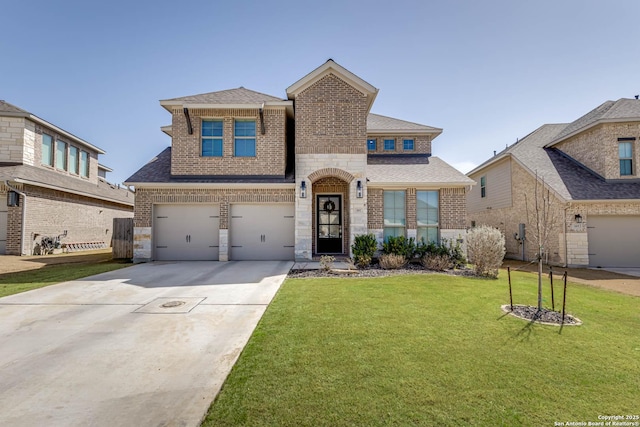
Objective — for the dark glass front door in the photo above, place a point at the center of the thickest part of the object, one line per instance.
(329, 225)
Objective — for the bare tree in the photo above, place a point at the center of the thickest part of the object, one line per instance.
(542, 219)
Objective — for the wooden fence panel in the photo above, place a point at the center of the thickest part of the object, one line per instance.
(122, 238)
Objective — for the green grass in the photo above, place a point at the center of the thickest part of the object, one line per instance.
(13, 283)
(431, 350)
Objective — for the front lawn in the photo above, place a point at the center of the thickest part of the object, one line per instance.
(13, 283)
(432, 350)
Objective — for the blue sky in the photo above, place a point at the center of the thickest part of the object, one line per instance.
(487, 72)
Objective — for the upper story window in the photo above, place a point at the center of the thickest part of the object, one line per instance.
(625, 154)
(389, 145)
(245, 138)
(371, 144)
(483, 186)
(84, 164)
(47, 150)
(407, 145)
(394, 213)
(61, 155)
(73, 160)
(211, 138)
(427, 215)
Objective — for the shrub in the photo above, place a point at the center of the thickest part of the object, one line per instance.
(436, 262)
(363, 248)
(326, 262)
(446, 249)
(392, 261)
(485, 246)
(400, 246)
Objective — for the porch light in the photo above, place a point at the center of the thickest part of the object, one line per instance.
(359, 189)
(578, 218)
(303, 190)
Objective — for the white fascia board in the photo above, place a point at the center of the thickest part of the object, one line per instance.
(209, 185)
(66, 190)
(167, 129)
(330, 67)
(105, 168)
(71, 136)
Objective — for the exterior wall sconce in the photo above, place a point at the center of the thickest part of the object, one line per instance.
(13, 199)
(303, 190)
(578, 218)
(359, 189)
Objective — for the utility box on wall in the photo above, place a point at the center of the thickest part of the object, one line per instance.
(13, 199)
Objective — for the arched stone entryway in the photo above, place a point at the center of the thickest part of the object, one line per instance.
(330, 215)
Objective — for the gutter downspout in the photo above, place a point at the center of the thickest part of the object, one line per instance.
(566, 246)
(23, 221)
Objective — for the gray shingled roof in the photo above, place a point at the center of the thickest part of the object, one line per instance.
(229, 96)
(376, 122)
(158, 170)
(570, 179)
(5, 107)
(435, 172)
(39, 176)
(621, 109)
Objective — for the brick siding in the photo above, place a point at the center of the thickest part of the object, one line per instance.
(271, 147)
(421, 144)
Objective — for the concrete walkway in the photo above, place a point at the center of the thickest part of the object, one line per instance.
(148, 345)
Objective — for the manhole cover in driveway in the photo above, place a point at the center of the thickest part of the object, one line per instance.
(170, 305)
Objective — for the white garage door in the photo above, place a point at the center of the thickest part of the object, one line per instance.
(262, 232)
(186, 232)
(614, 241)
(3, 232)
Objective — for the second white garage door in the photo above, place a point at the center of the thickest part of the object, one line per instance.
(262, 232)
(614, 241)
(186, 232)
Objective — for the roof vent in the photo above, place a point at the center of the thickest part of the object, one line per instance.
(637, 96)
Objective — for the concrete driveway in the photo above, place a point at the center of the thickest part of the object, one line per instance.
(148, 345)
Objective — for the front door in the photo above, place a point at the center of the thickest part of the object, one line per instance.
(329, 226)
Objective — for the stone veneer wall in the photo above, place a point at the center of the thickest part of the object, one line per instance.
(271, 147)
(51, 212)
(146, 198)
(597, 148)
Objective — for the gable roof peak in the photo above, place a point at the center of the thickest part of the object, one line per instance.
(332, 67)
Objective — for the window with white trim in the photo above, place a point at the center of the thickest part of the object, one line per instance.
(245, 138)
(47, 150)
(407, 145)
(61, 155)
(625, 154)
(483, 186)
(389, 145)
(427, 212)
(211, 138)
(394, 213)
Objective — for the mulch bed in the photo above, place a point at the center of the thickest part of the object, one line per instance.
(543, 316)
(375, 270)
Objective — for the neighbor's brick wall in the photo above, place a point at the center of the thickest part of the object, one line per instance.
(332, 185)
(146, 198)
(50, 212)
(271, 149)
(507, 219)
(597, 148)
(421, 144)
(331, 117)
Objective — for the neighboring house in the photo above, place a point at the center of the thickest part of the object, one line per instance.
(590, 167)
(53, 186)
(251, 176)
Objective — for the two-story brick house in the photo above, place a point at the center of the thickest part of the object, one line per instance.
(251, 176)
(54, 186)
(590, 167)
